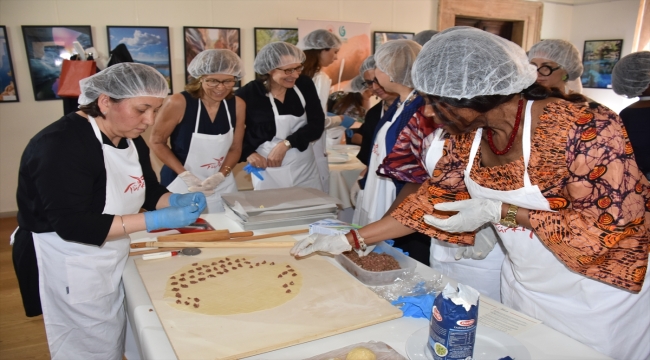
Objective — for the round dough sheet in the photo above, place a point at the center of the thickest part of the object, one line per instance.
(232, 285)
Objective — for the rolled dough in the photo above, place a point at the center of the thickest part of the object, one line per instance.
(235, 284)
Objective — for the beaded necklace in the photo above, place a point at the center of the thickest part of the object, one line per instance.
(511, 141)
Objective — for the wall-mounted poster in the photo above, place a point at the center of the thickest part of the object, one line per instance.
(8, 91)
(598, 60)
(264, 36)
(147, 45)
(198, 39)
(47, 47)
(380, 37)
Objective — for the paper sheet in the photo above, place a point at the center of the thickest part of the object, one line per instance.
(500, 317)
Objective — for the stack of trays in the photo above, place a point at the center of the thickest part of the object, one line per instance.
(263, 209)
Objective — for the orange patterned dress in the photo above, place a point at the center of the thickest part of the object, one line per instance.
(582, 161)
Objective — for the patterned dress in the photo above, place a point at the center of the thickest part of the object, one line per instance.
(583, 163)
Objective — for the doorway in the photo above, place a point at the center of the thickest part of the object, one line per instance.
(511, 30)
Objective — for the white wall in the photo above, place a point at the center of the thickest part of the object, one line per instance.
(612, 20)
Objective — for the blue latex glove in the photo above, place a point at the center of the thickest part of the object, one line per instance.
(347, 121)
(171, 217)
(416, 306)
(180, 200)
(254, 170)
(349, 133)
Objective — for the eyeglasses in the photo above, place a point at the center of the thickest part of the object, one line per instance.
(211, 83)
(546, 70)
(369, 83)
(298, 70)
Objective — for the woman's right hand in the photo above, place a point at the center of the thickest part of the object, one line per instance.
(277, 155)
(257, 160)
(171, 217)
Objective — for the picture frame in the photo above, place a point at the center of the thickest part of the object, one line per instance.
(380, 37)
(197, 39)
(8, 90)
(47, 47)
(598, 60)
(266, 35)
(147, 45)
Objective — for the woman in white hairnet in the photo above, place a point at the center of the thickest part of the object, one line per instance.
(573, 217)
(423, 36)
(205, 127)
(631, 78)
(283, 117)
(558, 65)
(82, 182)
(321, 48)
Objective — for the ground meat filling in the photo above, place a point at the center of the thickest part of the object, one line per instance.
(373, 261)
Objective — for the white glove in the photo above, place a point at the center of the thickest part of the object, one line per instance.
(472, 214)
(484, 242)
(190, 179)
(333, 244)
(213, 181)
(354, 192)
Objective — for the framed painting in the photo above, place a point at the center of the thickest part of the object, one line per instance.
(47, 47)
(380, 37)
(197, 39)
(8, 92)
(264, 36)
(598, 60)
(147, 45)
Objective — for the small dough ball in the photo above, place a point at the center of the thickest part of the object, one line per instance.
(361, 353)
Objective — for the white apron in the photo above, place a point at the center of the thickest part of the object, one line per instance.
(204, 158)
(483, 275)
(381, 190)
(323, 84)
(298, 167)
(81, 285)
(533, 281)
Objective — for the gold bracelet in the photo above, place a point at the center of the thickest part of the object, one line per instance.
(228, 170)
(123, 226)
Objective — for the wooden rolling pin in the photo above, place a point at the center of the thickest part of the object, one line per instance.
(214, 235)
(203, 240)
(221, 244)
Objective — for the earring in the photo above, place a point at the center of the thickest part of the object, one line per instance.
(104, 112)
(565, 77)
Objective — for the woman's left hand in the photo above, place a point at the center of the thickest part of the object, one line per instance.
(277, 155)
(471, 215)
(180, 200)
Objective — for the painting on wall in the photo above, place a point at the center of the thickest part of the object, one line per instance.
(380, 37)
(147, 45)
(47, 47)
(265, 36)
(598, 60)
(197, 39)
(8, 91)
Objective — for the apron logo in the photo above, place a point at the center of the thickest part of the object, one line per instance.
(138, 184)
(504, 229)
(214, 165)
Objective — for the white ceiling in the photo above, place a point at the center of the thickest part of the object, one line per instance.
(575, 2)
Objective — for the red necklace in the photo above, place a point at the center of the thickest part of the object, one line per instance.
(512, 135)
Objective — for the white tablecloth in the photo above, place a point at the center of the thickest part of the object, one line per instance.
(342, 178)
(541, 341)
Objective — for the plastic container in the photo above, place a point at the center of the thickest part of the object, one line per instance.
(376, 278)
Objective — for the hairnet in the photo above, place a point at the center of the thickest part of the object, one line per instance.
(275, 55)
(122, 81)
(216, 61)
(357, 84)
(396, 58)
(367, 64)
(465, 62)
(320, 39)
(423, 36)
(561, 52)
(631, 74)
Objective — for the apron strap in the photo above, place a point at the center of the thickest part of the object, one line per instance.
(275, 108)
(198, 116)
(526, 141)
(96, 130)
(474, 150)
(302, 99)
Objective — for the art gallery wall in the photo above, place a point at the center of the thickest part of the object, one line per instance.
(20, 121)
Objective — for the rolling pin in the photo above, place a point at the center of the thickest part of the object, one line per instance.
(214, 235)
(222, 244)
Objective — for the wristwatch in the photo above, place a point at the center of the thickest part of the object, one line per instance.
(510, 219)
(287, 144)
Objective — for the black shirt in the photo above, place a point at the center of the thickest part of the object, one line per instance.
(637, 124)
(62, 189)
(260, 121)
(368, 132)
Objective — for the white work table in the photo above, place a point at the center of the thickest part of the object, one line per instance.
(541, 341)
